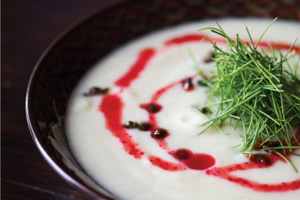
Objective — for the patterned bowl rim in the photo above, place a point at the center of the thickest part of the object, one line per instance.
(31, 122)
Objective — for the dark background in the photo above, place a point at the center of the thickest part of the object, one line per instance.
(28, 27)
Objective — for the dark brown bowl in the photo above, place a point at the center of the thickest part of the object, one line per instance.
(76, 50)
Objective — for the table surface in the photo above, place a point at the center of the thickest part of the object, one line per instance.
(28, 27)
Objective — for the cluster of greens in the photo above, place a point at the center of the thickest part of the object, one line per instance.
(256, 90)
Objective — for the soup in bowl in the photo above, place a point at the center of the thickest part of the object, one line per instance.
(118, 114)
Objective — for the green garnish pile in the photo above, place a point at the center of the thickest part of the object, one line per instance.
(257, 90)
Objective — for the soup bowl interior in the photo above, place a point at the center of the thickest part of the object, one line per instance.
(80, 47)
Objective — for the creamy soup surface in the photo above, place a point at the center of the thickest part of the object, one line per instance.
(153, 81)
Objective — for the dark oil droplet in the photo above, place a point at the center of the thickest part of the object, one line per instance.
(144, 126)
(151, 107)
(160, 133)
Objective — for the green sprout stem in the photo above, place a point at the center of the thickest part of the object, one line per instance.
(257, 91)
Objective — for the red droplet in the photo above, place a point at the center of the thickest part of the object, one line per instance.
(187, 84)
(198, 161)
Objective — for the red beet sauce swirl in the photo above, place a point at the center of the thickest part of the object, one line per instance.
(112, 108)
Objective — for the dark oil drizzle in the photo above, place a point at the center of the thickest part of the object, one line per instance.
(96, 91)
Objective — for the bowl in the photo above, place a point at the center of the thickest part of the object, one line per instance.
(76, 50)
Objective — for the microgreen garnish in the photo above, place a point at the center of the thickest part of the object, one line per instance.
(257, 91)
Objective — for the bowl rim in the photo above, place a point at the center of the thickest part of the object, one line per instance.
(32, 126)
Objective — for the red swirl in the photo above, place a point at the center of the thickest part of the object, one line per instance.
(112, 106)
